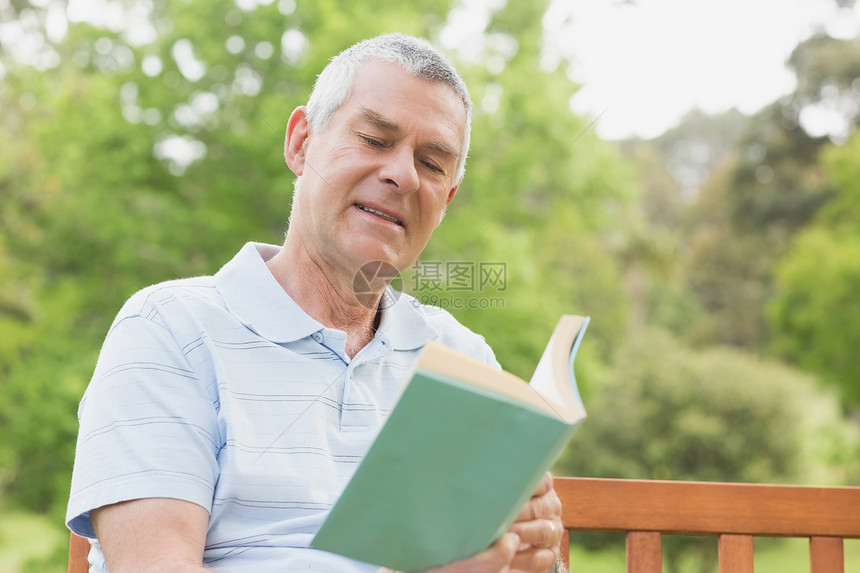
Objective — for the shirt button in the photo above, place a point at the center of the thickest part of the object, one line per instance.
(317, 336)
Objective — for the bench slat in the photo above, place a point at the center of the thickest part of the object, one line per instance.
(736, 553)
(644, 552)
(79, 549)
(826, 555)
(709, 508)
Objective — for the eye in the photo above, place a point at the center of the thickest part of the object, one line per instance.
(371, 141)
(433, 167)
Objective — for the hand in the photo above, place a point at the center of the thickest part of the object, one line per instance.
(540, 530)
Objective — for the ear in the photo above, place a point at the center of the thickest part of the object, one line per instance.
(451, 194)
(298, 132)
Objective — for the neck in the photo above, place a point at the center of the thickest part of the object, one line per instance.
(326, 293)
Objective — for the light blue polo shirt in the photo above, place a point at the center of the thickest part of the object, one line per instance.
(222, 391)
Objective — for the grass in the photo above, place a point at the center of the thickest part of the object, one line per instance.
(792, 555)
(25, 536)
(771, 556)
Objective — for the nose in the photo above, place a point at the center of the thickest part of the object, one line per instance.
(399, 169)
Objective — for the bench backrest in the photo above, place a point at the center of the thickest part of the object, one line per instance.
(735, 513)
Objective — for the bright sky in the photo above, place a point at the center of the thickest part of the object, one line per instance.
(644, 64)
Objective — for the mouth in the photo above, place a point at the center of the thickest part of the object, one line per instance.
(380, 214)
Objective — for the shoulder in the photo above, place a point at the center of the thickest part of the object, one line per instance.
(452, 333)
(172, 298)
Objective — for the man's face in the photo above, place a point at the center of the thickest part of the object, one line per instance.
(375, 183)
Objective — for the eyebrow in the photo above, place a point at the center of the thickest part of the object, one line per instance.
(378, 120)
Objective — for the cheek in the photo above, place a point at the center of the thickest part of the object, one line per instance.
(434, 203)
(432, 211)
(327, 157)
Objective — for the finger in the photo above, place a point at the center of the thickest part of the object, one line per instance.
(537, 559)
(507, 545)
(545, 485)
(539, 532)
(546, 505)
(498, 556)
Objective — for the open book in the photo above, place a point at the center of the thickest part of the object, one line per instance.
(462, 451)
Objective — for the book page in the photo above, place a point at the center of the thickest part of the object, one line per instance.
(543, 380)
(554, 377)
(457, 366)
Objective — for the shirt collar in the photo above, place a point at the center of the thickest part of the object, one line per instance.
(255, 297)
(404, 323)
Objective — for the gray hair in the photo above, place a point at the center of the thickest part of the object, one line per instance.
(417, 57)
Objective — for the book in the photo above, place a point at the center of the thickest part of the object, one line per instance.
(463, 449)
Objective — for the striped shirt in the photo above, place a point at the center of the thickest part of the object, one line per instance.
(223, 392)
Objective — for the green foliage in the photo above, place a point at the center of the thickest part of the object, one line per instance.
(27, 540)
(675, 164)
(771, 556)
(743, 222)
(771, 188)
(813, 314)
(826, 70)
(668, 412)
(840, 163)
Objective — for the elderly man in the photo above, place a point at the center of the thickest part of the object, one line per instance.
(227, 413)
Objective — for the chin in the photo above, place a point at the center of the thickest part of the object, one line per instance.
(387, 255)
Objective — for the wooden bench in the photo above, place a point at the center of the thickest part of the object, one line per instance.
(736, 513)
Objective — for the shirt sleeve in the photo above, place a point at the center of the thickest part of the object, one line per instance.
(148, 425)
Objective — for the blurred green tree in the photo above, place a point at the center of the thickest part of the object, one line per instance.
(746, 216)
(814, 315)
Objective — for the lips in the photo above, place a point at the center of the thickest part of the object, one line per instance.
(380, 214)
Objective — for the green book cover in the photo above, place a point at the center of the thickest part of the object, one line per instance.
(461, 453)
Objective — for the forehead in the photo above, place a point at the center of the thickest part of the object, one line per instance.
(386, 91)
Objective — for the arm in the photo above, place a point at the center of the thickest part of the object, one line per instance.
(158, 534)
